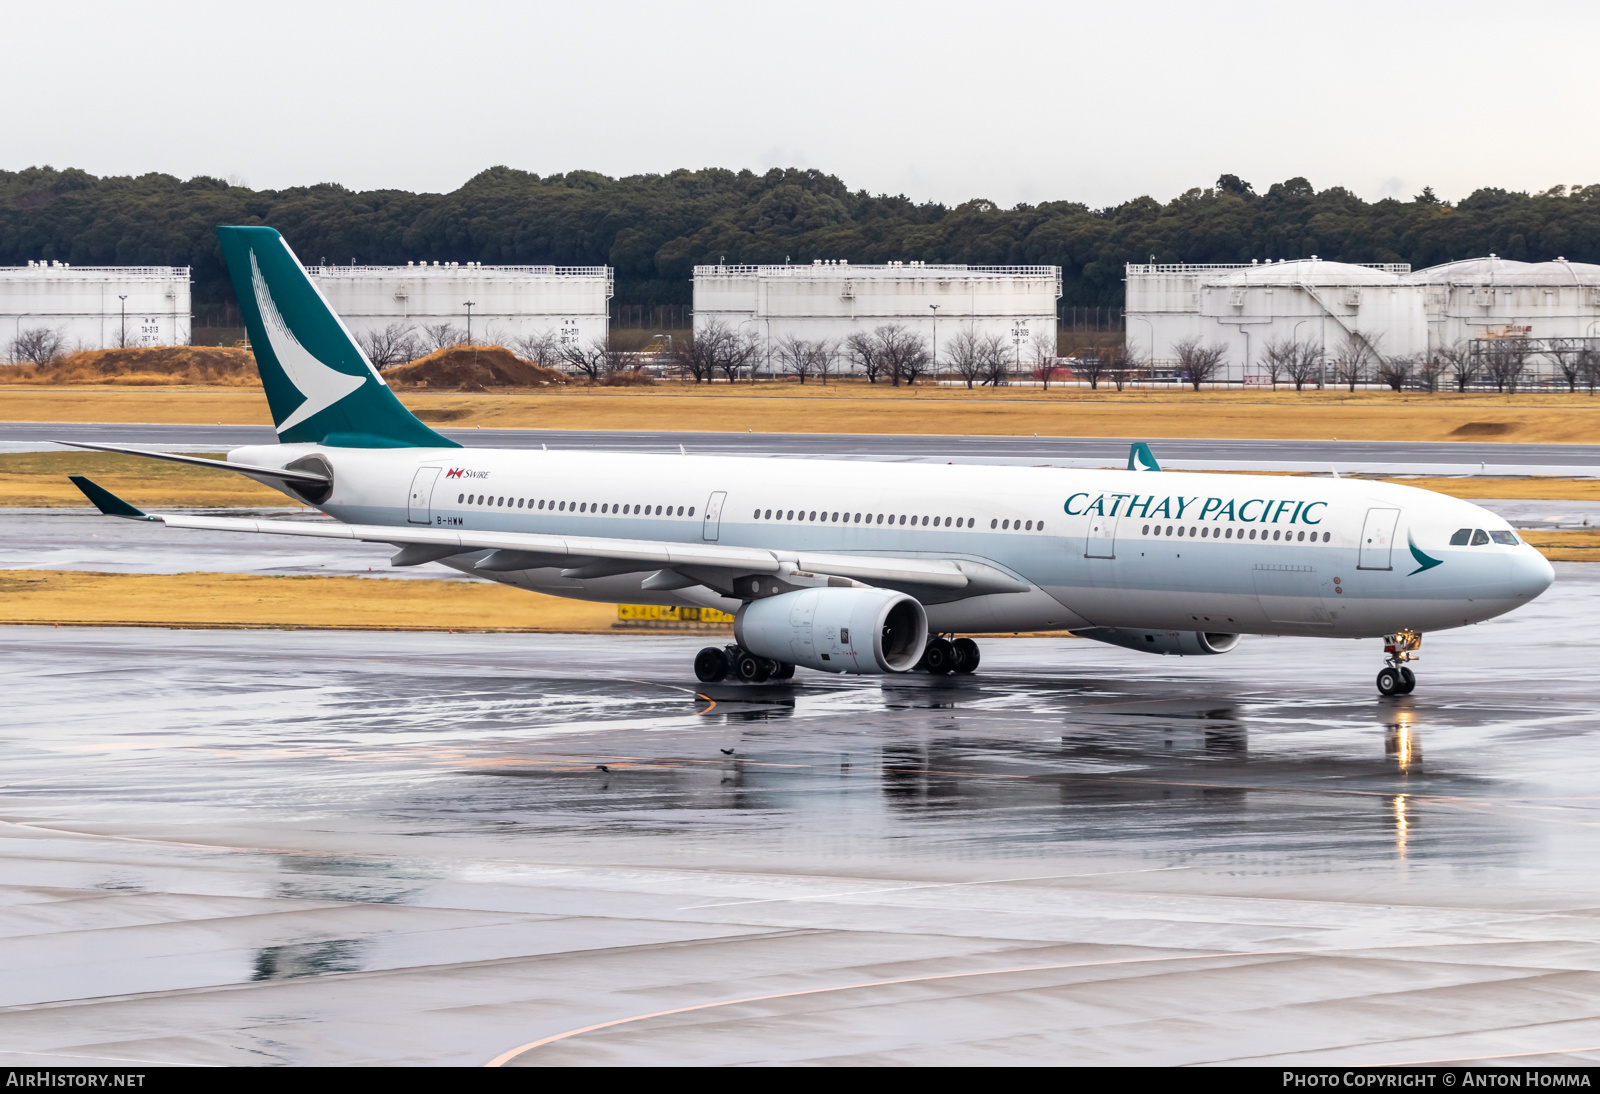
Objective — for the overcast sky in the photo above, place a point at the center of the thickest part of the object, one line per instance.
(1012, 101)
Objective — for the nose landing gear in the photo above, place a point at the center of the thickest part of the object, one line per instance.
(1398, 648)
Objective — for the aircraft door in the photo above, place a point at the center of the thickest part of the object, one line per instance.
(1102, 539)
(713, 522)
(1377, 539)
(420, 509)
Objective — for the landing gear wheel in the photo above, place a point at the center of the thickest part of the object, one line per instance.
(1408, 681)
(940, 657)
(711, 665)
(785, 671)
(752, 669)
(1389, 682)
(967, 654)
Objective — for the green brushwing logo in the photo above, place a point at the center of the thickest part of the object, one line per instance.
(1424, 562)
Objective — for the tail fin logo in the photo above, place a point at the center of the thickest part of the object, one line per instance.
(322, 386)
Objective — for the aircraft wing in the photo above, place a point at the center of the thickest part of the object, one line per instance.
(593, 556)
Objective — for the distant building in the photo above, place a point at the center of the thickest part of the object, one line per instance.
(829, 301)
(508, 303)
(95, 307)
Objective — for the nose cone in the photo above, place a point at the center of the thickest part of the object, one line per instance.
(1531, 573)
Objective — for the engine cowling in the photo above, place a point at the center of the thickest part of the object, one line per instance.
(1183, 643)
(836, 630)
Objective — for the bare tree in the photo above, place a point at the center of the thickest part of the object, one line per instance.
(1042, 348)
(1353, 360)
(1506, 360)
(593, 360)
(862, 349)
(37, 345)
(1396, 370)
(1430, 367)
(1278, 356)
(996, 359)
(1122, 364)
(905, 353)
(797, 357)
(543, 349)
(1303, 364)
(826, 356)
(736, 353)
(1093, 366)
(697, 354)
(1566, 353)
(964, 352)
(1197, 363)
(437, 336)
(1589, 365)
(1462, 364)
(395, 344)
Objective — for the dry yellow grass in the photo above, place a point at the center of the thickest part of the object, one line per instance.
(1536, 487)
(862, 408)
(321, 603)
(1576, 546)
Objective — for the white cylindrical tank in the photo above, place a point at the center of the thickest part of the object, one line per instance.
(1495, 298)
(95, 307)
(829, 301)
(509, 303)
(1325, 304)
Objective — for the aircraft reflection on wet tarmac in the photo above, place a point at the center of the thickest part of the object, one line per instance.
(432, 848)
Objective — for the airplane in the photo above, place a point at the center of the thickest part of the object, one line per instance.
(847, 567)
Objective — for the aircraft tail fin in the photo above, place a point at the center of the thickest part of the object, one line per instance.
(1140, 458)
(320, 386)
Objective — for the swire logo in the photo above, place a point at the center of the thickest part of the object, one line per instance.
(453, 473)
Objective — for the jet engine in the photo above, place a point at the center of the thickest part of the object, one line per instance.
(858, 630)
(1183, 643)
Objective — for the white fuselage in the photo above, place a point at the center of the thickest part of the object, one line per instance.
(1246, 554)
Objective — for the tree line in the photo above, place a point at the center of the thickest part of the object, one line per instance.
(653, 229)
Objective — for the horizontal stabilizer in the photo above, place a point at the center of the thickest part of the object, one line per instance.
(107, 502)
(309, 478)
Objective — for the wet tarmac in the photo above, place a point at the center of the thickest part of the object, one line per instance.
(83, 539)
(1376, 457)
(314, 848)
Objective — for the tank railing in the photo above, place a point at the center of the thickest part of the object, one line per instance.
(1397, 268)
(99, 271)
(877, 271)
(558, 271)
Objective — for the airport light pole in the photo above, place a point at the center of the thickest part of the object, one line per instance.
(470, 305)
(124, 298)
(935, 308)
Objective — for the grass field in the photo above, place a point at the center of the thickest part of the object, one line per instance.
(862, 408)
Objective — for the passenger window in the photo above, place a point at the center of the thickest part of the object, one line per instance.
(994, 524)
(1005, 525)
(691, 510)
(1039, 527)
(1030, 526)
(1508, 539)
(769, 514)
(1462, 537)
(1326, 536)
(1479, 537)
(459, 498)
(1252, 533)
(1146, 531)
(758, 515)
(680, 510)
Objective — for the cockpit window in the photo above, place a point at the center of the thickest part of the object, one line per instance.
(1479, 537)
(1507, 538)
(1461, 538)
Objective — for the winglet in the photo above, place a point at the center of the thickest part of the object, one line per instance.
(107, 502)
(1140, 458)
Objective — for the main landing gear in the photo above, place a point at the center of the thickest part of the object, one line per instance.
(1395, 678)
(942, 656)
(716, 663)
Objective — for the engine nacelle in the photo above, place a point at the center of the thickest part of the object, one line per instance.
(836, 630)
(1183, 643)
